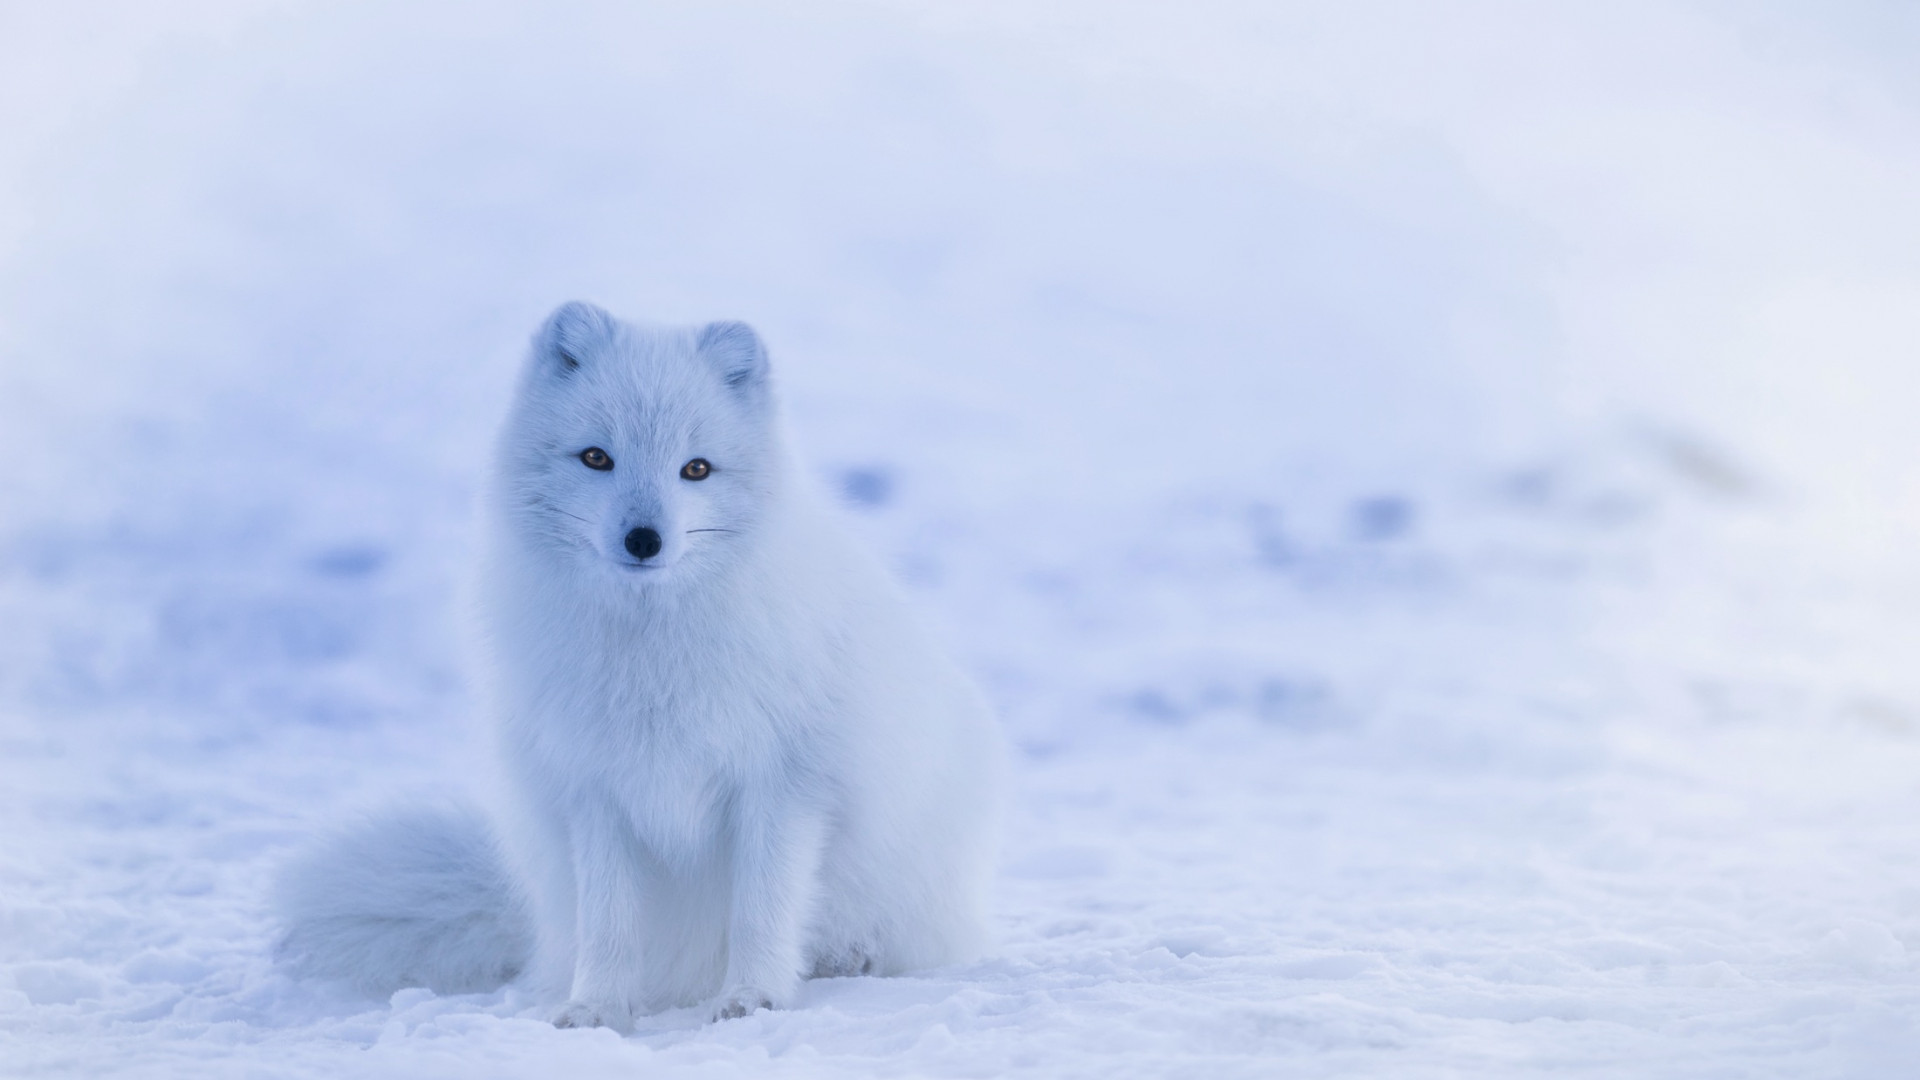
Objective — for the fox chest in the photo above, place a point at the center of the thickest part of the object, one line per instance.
(678, 810)
(676, 765)
(673, 736)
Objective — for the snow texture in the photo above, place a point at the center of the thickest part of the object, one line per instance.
(1431, 489)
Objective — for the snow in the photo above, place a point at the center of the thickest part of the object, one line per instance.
(1431, 491)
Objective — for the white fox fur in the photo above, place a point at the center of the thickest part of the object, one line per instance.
(729, 765)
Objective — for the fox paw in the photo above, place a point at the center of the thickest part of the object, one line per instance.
(743, 1001)
(581, 1014)
(842, 965)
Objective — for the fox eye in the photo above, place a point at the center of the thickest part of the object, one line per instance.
(697, 469)
(595, 458)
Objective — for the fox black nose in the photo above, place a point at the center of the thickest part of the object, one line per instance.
(643, 543)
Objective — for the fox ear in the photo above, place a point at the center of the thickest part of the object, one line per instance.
(737, 351)
(570, 335)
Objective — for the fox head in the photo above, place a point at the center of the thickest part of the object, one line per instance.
(641, 451)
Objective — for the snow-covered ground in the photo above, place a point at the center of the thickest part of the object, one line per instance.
(1432, 489)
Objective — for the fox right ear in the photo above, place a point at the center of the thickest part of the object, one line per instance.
(737, 351)
(570, 335)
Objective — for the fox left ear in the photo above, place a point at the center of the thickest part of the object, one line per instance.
(572, 333)
(737, 351)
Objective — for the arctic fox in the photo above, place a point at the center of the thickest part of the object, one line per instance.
(731, 760)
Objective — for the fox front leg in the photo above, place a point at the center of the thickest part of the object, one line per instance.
(776, 869)
(608, 869)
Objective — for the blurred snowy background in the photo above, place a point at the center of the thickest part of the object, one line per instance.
(1432, 488)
